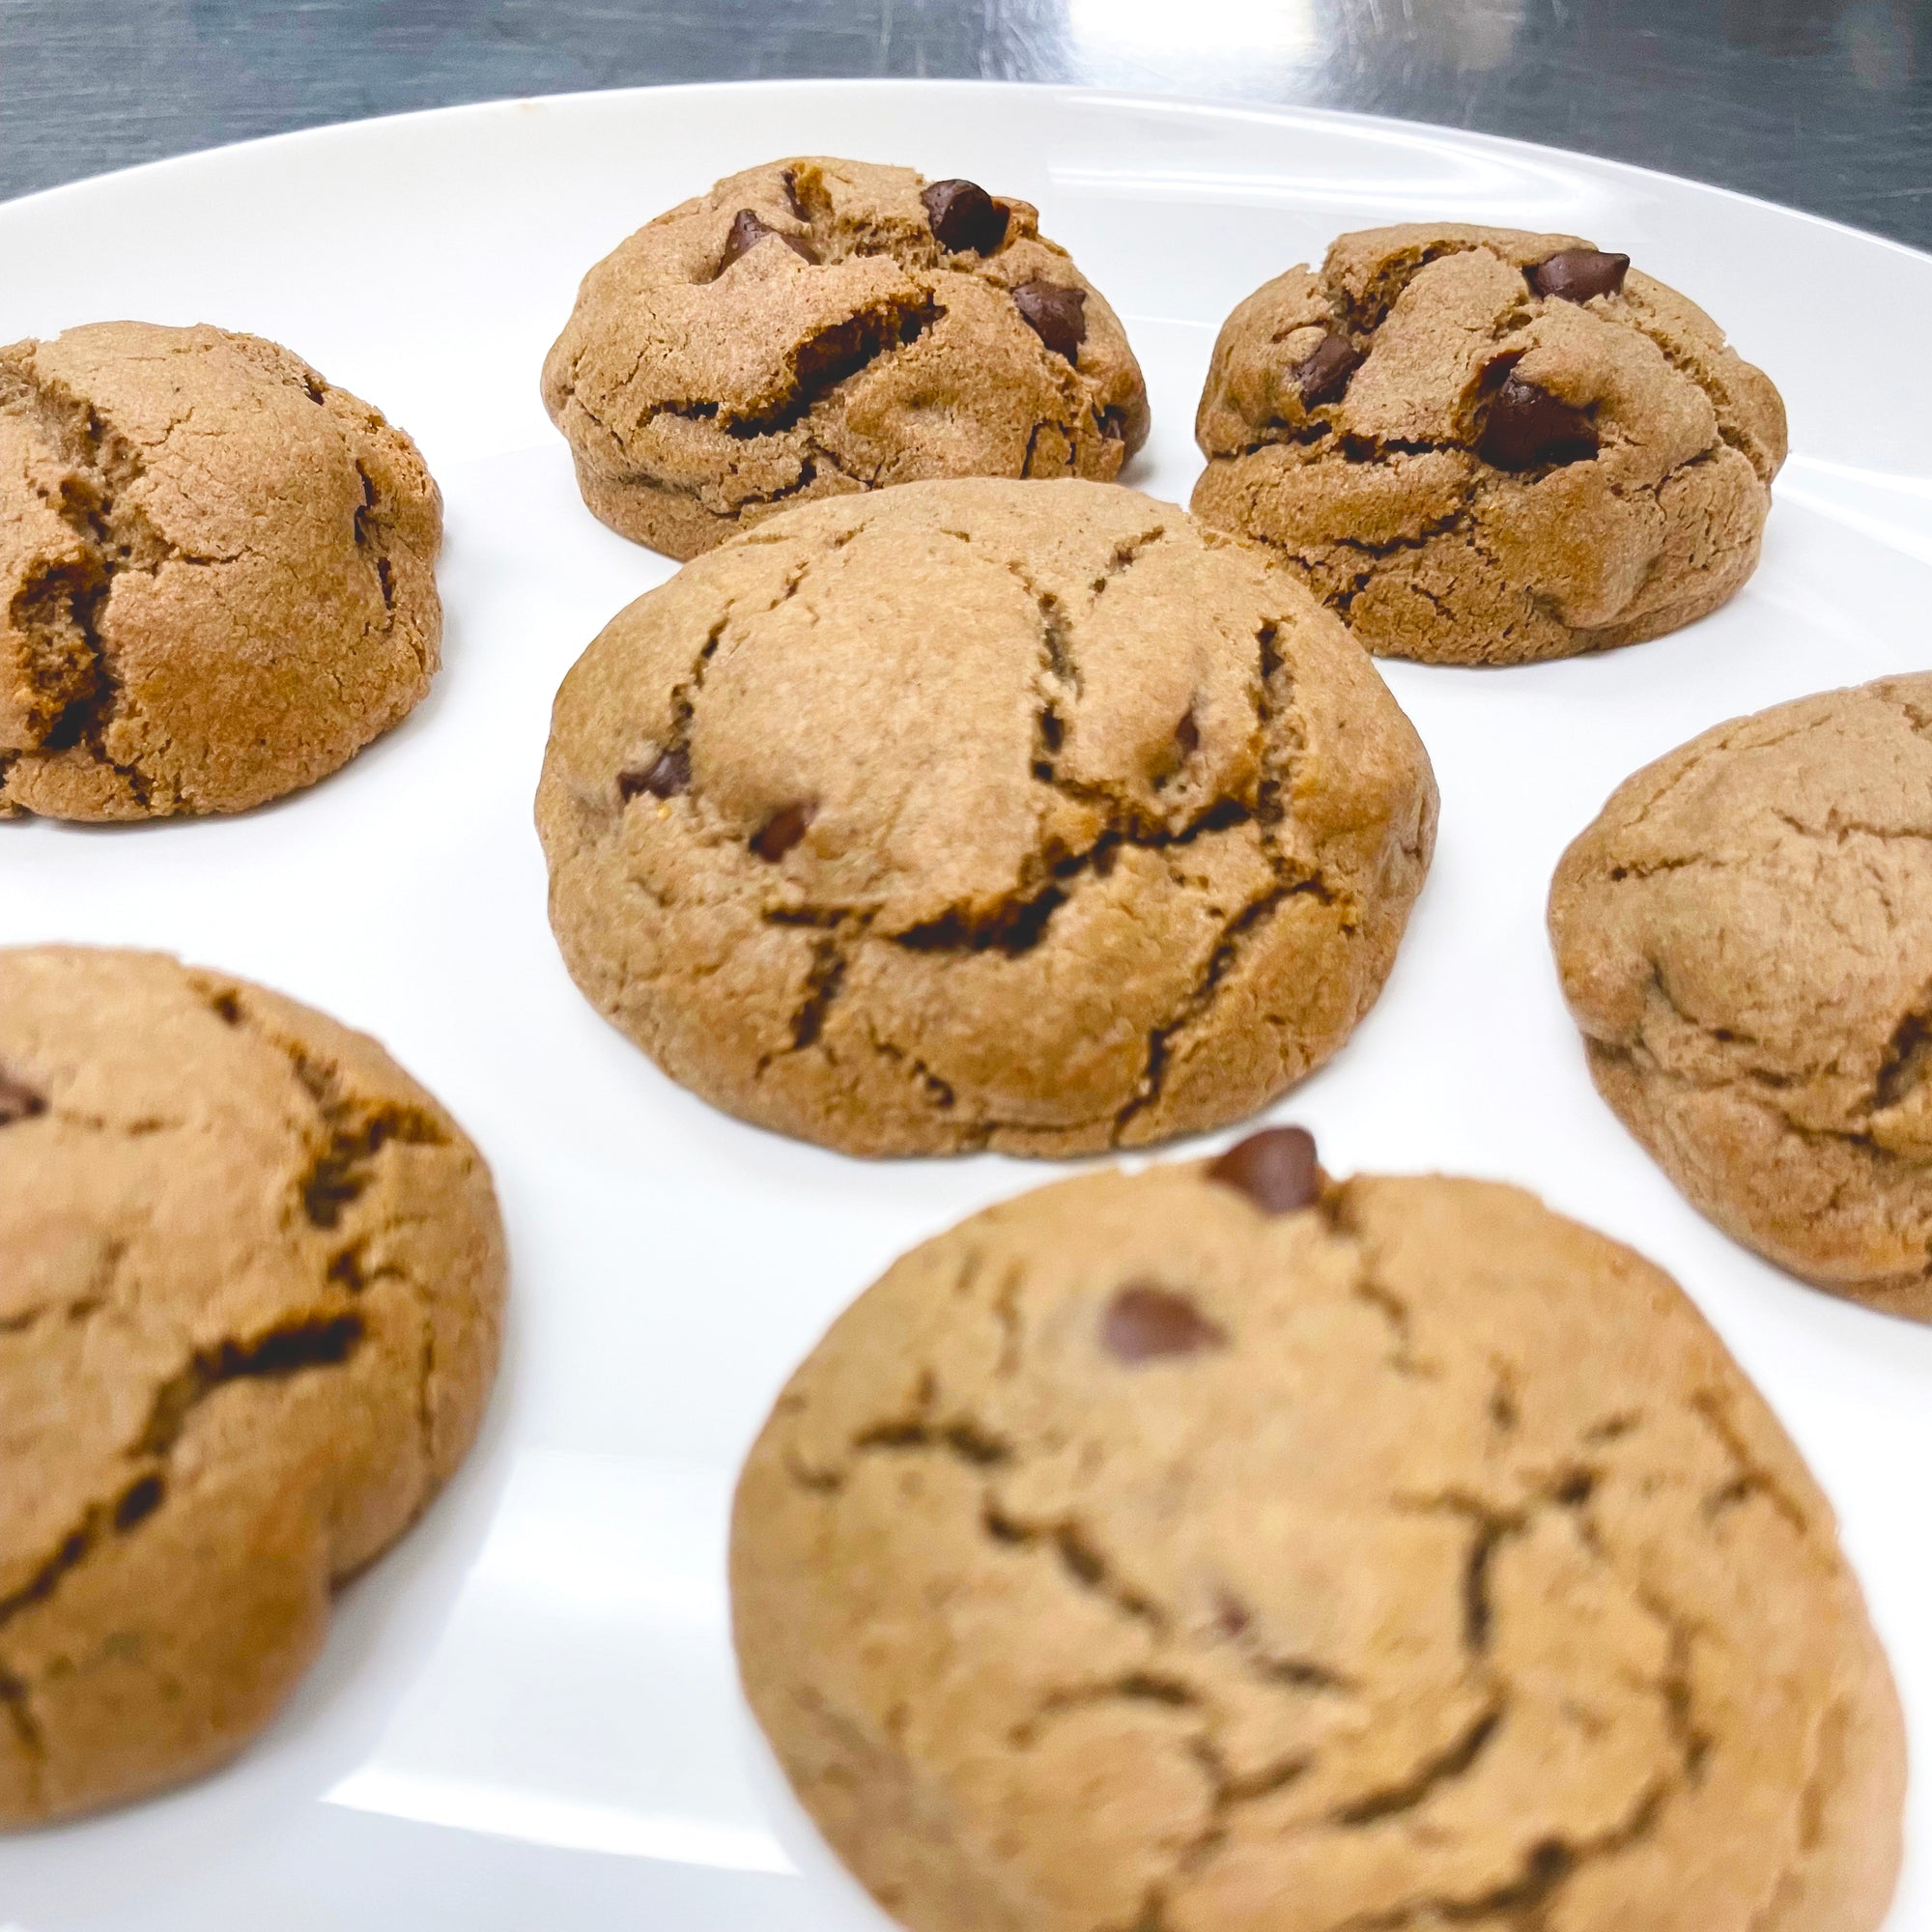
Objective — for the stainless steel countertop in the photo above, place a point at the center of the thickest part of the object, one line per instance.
(1825, 104)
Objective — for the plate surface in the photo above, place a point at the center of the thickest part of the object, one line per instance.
(527, 1714)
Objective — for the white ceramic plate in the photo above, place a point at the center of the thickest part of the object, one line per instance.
(526, 1716)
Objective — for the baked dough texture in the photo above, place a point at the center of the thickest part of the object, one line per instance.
(252, 1278)
(1128, 1557)
(846, 347)
(1744, 936)
(980, 813)
(217, 573)
(1472, 471)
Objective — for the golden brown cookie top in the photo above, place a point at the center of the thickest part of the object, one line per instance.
(1524, 350)
(838, 324)
(1140, 1553)
(250, 1283)
(217, 572)
(983, 790)
(1746, 930)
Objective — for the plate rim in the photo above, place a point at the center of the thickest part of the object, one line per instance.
(1243, 107)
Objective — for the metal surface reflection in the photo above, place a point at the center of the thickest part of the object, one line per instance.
(1221, 45)
(1825, 104)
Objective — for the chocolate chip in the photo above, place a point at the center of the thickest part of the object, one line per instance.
(1575, 274)
(668, 775)
(748, 231)
(1142, 1322)
(1057, 315)
(965, 217)
(1323, 377)
(19, 1102)
(1276, 1169)
(1525, 428)
(1231, 1617)
(781, 832)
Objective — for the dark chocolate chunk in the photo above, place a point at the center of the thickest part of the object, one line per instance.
(1323, 377)
(1057, 315)
(748, 231)
(1575, 274)
(17, 1101)
(781, 832)
(1142, 1322)
(668, 775)
(1276, 1169)
(1527, 428)
(965, 218)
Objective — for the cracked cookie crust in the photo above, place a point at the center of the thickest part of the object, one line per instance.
(1132, 1558)
(251, 1277)
(217, 574)
(813, 328)
(1745, 937)
(982, 814)
(1484, 446)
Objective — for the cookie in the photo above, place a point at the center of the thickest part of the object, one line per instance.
(980, 813)
(1745, 937)
(250, 1282)
(813, 328)
(217, 573)
(1482, 446)
(1148, 1553)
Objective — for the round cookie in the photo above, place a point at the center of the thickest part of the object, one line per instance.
(1145, 1553)
(1744, 936)
(1482, 446)
(966, 814)
(251, 1277)
(217, 574)
(812, 327)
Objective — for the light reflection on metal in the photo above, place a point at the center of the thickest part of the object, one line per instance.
(1269, 30)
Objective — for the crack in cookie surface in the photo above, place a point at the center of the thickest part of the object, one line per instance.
(1547, 1673)
(1777, 1076)
(99, 466)
(269, 1310)
(706, 377)
(1392, 497)
(142, 570)
(824, 809)
(1062, 1568)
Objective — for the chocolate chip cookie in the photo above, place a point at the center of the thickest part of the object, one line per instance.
(217, 574)
(1744, 936)
(1483, 446)
(1153, 1553)
(813, 328)
(250, 1282)
(982, 813)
